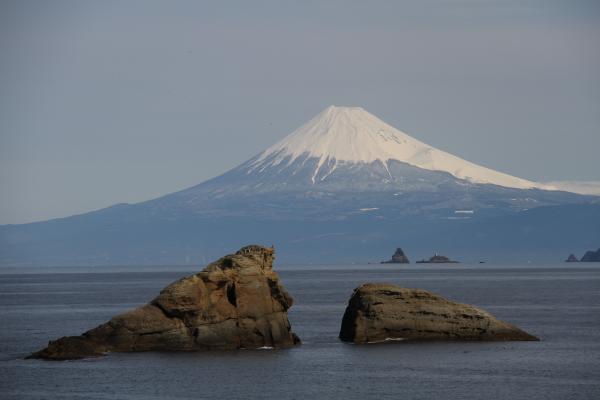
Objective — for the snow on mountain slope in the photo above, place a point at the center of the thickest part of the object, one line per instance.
(581, 187)
(351, 135)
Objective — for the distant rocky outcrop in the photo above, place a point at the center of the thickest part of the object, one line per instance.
(398, 258)
(236, 302)
(379, 312)
(591, 256)
(571, 258)
(437, 259)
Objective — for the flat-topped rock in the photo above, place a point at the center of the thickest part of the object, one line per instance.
(236, 302)
(378, 312)
(437, 259)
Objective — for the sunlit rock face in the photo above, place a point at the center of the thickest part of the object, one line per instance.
(236, 302)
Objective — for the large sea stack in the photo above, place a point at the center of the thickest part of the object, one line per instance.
(378, 312)
(236, 302)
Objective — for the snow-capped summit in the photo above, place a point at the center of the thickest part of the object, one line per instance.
(351, 135)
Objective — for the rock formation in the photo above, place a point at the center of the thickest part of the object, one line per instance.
(571, 258)
(236, 302)
(591, 256)
(398, 258)
(378, 312)
(437, 259)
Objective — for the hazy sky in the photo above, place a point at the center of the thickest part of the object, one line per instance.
(104, 102)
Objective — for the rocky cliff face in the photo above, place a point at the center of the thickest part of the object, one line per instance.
(236, 302)
(380, 312)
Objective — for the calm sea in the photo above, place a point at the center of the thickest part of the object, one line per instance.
(558, 303)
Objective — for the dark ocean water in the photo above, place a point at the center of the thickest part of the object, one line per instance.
(558, 303)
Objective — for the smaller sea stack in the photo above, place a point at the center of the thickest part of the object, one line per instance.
(379, 312)
(437, 259)
(398, 258)
(571, 258)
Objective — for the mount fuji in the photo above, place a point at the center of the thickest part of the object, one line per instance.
(350, 136)
(343, 187)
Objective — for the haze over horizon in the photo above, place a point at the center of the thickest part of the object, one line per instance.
(115, 102)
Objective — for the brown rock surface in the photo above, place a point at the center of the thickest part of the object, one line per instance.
(236, 302)
(378, 312)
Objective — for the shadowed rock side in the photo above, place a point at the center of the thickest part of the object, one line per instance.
(236, 302)
(380, 312)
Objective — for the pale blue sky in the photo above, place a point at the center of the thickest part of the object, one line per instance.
(104, 102)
